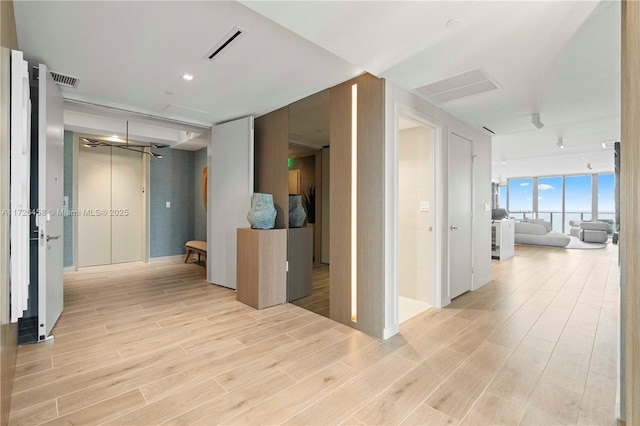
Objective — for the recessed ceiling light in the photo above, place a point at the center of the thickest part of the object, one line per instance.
(453, 22)
(187, 77)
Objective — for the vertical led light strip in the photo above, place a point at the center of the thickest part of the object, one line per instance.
(354, 203)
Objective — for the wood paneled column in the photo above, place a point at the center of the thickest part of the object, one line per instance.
(369, 205)
(630, 214)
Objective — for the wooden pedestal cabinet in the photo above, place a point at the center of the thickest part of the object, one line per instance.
(262, 275)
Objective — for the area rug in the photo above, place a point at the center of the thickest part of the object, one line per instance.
(575, 243)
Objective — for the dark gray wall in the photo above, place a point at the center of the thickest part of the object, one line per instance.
(172, 179)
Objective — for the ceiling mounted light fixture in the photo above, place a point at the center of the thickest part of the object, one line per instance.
(141, 148)
(560, 143)
(535, 119)
(187, 77)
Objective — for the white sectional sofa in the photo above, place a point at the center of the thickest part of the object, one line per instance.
(537, 232)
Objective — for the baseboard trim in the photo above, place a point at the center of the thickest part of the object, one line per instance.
(390, 331)
(69, 269)
(479, 283)
(166, 258)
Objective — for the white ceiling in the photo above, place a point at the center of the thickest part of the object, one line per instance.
(561, 59)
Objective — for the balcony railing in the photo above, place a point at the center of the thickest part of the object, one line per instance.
(556, 218)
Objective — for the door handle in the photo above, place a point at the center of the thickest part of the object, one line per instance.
(55, 237)
(453, 228)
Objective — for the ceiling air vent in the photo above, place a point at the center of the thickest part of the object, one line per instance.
(65, 80)
(459, 86)
(233, 35)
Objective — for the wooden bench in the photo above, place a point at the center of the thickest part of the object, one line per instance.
(199, 247)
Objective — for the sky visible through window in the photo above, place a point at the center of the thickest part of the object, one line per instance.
(577, 198)
(605, 194)
(578, 193)
(550, 194)
(520, 193)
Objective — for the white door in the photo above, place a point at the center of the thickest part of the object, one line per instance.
(460, 214)
(230, 187)
(50, 198)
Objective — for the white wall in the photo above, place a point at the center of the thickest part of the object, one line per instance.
(230, 188)
(400, 101)
(415, 241)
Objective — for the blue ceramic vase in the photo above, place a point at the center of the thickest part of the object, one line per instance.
(262, 214)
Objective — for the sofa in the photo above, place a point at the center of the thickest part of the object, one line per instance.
(537, 232)
(590, 231)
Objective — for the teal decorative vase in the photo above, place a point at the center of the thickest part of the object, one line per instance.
(296, 212)
(262, 214)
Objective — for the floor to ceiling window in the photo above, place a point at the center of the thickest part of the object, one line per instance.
(550, 201)
(520, 198)
(606, 202)
(561, 199)
(577, 199)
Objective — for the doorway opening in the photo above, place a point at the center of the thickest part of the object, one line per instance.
(416, 217)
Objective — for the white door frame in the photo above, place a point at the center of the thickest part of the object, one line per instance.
(438, 198)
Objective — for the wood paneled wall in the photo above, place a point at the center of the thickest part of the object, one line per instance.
(629, 208)
(8, 331)
(271, 153)
(370, 204)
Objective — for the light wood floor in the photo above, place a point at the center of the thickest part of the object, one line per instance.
(148, 344)
(318, 301)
